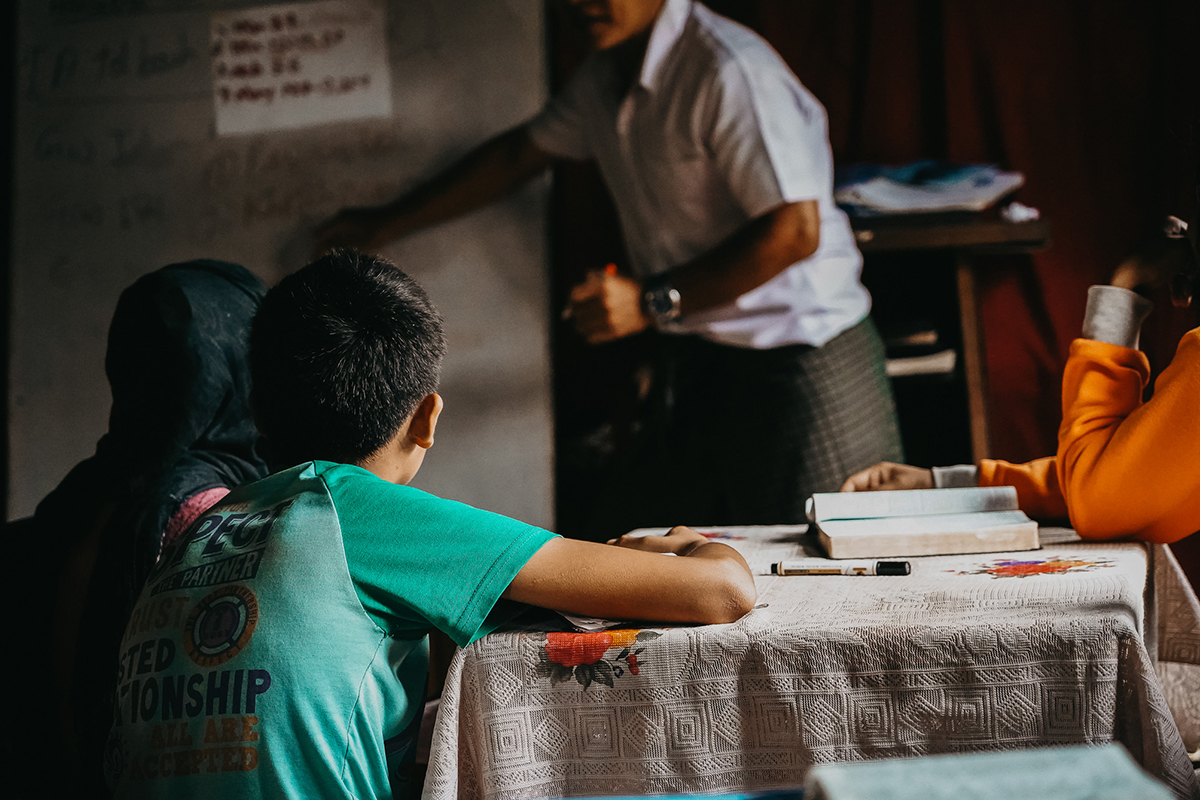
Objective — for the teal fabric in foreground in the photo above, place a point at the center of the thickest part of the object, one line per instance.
(1060, 773)
(781, 794)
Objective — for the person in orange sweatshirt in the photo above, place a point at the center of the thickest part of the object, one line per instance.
(1124, 468)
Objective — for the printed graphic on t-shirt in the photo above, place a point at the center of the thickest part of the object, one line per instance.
(220, 625)
(183, 695)
(202, 720)
(232, 541)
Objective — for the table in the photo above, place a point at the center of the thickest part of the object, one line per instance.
(965, 237)
(969, 653)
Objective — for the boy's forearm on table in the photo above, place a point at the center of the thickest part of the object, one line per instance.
(710, 584)
(736, 593)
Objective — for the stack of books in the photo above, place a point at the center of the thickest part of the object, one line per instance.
(922, 187)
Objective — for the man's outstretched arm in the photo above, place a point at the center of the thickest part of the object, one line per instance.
(487, 173)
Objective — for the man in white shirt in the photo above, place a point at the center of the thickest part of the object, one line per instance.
(719, 163)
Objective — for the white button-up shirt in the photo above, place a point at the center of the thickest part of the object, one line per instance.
(716, 132)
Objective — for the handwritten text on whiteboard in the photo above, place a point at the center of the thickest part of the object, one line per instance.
(299, 64)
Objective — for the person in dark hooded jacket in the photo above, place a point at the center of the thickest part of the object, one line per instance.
(180, 435)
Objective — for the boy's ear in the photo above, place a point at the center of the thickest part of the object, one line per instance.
(424, 421)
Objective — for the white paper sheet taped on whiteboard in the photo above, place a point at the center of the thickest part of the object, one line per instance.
(299, 64)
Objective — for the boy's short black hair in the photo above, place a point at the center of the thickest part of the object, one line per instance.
(341, 353)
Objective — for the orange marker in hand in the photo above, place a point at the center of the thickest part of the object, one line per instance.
(593, 276)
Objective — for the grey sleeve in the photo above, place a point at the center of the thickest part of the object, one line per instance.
(957, 477)
(1115, 315)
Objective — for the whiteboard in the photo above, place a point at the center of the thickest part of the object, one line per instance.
(119, 170)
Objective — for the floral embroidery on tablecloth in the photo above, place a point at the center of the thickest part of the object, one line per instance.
(1024, 568)
(584, 656)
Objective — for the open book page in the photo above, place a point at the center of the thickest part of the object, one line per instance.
(909, 526)
(912, 503)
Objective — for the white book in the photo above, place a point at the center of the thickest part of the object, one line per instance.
(931, 535)
(914, 503)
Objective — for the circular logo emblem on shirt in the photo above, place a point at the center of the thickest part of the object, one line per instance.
(220, 625)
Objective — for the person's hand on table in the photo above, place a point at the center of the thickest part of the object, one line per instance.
(360, 228)
(886, 476)
(680, 540)
(607, 306)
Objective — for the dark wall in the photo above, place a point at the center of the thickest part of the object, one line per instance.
(8, 44)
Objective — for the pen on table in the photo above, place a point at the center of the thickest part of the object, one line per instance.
(824, 566)
(592, 276)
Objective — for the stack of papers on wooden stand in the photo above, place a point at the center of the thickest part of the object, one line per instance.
(928, 522)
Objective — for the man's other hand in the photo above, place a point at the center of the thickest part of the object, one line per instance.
(886, 476)
(606, 307)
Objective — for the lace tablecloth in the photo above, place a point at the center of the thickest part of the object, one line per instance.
(967, 654)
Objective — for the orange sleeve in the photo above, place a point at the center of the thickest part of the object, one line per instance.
(1128, 468)
(1038, 494)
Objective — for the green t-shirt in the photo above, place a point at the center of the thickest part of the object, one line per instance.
(401, 544)
(281, 641)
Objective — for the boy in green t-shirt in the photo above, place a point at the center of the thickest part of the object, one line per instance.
(282, 640)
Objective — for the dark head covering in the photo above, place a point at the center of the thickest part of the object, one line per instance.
(177, 363)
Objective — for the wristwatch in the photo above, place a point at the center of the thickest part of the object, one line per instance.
(661, 300)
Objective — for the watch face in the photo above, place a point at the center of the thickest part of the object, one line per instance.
(659, 301)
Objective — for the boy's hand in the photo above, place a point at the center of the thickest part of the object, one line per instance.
(886, 476)
(607, 306)
(680, 540)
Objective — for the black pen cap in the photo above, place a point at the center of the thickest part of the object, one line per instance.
(892, 568)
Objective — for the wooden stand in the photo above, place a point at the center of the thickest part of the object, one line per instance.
(964, 237)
